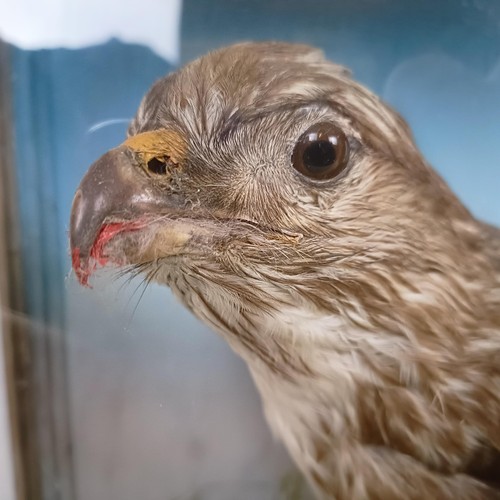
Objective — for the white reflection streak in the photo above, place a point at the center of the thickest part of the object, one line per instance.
(106, 123)
(51, 24)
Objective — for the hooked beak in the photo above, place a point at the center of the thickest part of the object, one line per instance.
(116, 196)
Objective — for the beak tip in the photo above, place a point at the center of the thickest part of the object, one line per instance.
(76, 218)
(80, 266)
(79, 263)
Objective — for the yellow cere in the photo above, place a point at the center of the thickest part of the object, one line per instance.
(161, 143)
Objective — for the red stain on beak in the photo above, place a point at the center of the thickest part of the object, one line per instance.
(81, 273)
(84, 267)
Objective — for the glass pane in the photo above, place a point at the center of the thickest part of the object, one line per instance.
(140, 400)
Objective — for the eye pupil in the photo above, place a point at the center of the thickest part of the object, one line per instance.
(319, 154)
(157, 166)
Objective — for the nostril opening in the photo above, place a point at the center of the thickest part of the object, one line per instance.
(157, 166)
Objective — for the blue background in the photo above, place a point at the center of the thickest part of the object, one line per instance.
(438, 63)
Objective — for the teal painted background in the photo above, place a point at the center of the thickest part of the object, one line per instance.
(160, 408)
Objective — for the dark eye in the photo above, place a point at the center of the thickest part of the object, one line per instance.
(321, 152)
(157, 166)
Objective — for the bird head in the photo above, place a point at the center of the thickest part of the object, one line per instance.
(262, 178)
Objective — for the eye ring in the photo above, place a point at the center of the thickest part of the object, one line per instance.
(321, 152)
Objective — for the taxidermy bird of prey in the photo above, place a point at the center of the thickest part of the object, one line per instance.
(289, 208)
